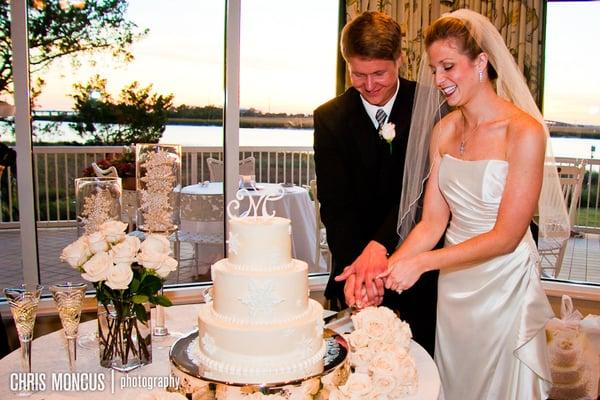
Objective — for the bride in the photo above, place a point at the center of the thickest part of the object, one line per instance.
(487, 173)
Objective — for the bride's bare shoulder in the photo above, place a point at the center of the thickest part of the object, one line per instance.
(447, 125)
(524, 126)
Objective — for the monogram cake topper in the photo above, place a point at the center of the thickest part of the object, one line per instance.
(254, 206)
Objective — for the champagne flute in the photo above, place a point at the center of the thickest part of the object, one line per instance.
(23, 301)
(69, 301)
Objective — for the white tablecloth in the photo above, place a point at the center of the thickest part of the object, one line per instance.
(49, 355)
(295, 205)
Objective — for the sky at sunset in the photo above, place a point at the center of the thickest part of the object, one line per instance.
(288, 52)
(572, 80)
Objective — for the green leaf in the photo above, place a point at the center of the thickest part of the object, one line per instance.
(134, 285)
(150, 284)
(162, 301)
(140, 298)
(140, 312)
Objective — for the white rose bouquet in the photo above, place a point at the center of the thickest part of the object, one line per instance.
(126, 274)
(382, 367)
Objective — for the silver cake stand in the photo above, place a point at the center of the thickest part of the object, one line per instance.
(334, 357)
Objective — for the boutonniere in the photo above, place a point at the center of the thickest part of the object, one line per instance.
(388, 133)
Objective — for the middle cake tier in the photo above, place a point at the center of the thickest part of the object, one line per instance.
(254, 298)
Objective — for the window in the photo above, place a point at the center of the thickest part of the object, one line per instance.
(571, 105)
(178, 48)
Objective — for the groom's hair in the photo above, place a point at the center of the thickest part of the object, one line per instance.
(372, 35)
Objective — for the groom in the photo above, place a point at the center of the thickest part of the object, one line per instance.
(359, 174)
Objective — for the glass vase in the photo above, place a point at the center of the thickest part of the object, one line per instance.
(98, 199)
(158, 174)
(125, 342)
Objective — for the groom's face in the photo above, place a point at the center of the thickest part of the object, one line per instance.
(375, 79)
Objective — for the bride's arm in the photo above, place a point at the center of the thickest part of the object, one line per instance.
(525, 155)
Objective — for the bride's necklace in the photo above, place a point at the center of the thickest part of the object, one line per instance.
(464, 138)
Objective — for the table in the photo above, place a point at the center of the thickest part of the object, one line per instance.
(49, 356)
(202, 212)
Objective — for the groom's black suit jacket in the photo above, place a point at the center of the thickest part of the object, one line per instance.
(359, 186)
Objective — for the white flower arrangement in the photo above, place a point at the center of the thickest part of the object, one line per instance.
(109, 257)
(388, 133)
(379, 357)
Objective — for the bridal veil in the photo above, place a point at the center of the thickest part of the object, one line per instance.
(429, 107)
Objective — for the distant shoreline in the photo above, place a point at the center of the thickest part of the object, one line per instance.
(245, 122)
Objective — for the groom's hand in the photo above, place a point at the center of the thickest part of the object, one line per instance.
(371, 262)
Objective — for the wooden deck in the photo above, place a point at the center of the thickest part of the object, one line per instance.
(582, 259)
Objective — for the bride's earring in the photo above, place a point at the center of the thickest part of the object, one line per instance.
(480, 76)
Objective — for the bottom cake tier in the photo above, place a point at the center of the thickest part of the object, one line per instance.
(262, 352)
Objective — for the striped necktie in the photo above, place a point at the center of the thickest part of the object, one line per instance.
(380, 116)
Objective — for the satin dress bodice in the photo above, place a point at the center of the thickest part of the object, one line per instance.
(490, 341)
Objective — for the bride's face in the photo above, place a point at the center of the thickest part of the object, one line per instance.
(455, 74)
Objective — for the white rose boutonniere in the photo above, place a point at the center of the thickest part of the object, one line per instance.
(388, 133)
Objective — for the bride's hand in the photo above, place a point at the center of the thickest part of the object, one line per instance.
(402, 274)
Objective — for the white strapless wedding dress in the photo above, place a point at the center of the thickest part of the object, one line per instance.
(490, 340)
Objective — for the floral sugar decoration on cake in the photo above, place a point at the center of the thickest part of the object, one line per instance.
(381, 364)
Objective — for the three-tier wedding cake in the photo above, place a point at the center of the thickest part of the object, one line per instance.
(261, 326)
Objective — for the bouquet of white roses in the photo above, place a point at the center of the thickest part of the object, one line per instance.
(126, 274)
(379, 357)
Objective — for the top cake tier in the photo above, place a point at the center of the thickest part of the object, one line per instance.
(260, 243)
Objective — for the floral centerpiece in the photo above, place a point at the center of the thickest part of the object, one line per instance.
(127, 275)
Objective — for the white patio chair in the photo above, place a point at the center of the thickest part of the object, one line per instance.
(215, 168)
(552, 250)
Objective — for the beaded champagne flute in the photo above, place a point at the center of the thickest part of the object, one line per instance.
(23, 301)
(69, 301)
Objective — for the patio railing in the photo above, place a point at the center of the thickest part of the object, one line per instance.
(55, 167)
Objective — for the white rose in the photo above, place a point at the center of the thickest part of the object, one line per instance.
(119, 276)
(403, 334)
(388, 131)
(384, 363)
(336, 394)
(361, 358)
(77, 253)
(161, 263)
(407, 371)
(375, 322)
(357, 386)
(358, 339)
(156, 243)
(403, 389)
(96, 268)
(97, 242)
(305, 391)
(383, 383)
(114, 231)
(125, 251)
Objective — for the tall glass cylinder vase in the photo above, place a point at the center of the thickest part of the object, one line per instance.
(98, 199)
(125, 340)
(158, 173)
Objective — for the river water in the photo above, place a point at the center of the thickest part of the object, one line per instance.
(189, 135)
